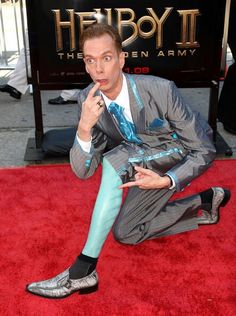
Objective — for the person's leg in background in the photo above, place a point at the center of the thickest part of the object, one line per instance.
(18, 84)
(227, 101)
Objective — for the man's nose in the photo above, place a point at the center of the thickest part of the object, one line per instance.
(99, 66)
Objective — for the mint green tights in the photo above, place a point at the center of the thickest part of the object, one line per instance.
(105, 211)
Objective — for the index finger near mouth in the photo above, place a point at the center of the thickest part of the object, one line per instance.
(94, 89)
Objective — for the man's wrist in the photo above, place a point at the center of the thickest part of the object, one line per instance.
(85, 145)
(84, 133)
(172, 183)
(168, 181)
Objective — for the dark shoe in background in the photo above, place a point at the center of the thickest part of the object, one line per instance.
(230, 129)
(12, 91)
(59, 100)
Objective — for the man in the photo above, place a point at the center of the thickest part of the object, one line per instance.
(158, 146)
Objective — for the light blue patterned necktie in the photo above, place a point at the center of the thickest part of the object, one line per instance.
(127, 128)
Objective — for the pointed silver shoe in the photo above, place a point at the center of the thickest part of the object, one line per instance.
(62, 286)
(220, 198)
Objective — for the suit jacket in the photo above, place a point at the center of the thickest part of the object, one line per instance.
(175, 140)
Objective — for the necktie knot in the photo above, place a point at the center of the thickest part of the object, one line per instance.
(115, 108)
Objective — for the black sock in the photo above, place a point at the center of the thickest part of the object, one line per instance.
(83, 266)
(206, 197)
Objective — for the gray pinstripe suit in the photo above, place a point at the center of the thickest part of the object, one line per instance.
(175, 140)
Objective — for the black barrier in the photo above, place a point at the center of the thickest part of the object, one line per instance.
(178, 40)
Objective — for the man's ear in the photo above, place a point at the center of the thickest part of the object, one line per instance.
(85, 66)
(122, 59)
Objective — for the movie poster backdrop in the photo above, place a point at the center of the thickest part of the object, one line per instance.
(177, 39)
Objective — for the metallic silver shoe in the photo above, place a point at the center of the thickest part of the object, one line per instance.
(62, 286)
(220, 198)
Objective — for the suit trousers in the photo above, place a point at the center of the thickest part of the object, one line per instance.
(148, 214)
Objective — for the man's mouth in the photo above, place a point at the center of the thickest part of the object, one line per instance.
(102, 81)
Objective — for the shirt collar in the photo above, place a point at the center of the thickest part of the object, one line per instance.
(123, 97)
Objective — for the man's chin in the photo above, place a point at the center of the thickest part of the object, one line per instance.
(103, 88)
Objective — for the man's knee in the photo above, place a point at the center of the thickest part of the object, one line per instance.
(121, 235)
(118, 233)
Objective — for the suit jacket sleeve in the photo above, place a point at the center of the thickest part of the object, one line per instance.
(82, 163)
(195, 135)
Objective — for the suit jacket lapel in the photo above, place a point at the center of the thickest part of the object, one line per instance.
(107, 123)
(138, 114)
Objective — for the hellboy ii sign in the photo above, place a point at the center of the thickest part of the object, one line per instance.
(179, 39)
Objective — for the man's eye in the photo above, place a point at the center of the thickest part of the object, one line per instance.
(90, 61)
(107, 58)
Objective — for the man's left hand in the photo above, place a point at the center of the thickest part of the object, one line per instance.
(148, 179)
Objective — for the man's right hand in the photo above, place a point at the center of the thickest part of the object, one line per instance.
(148, 179)
(92, 108)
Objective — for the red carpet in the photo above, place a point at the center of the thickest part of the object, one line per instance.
(45, 213)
